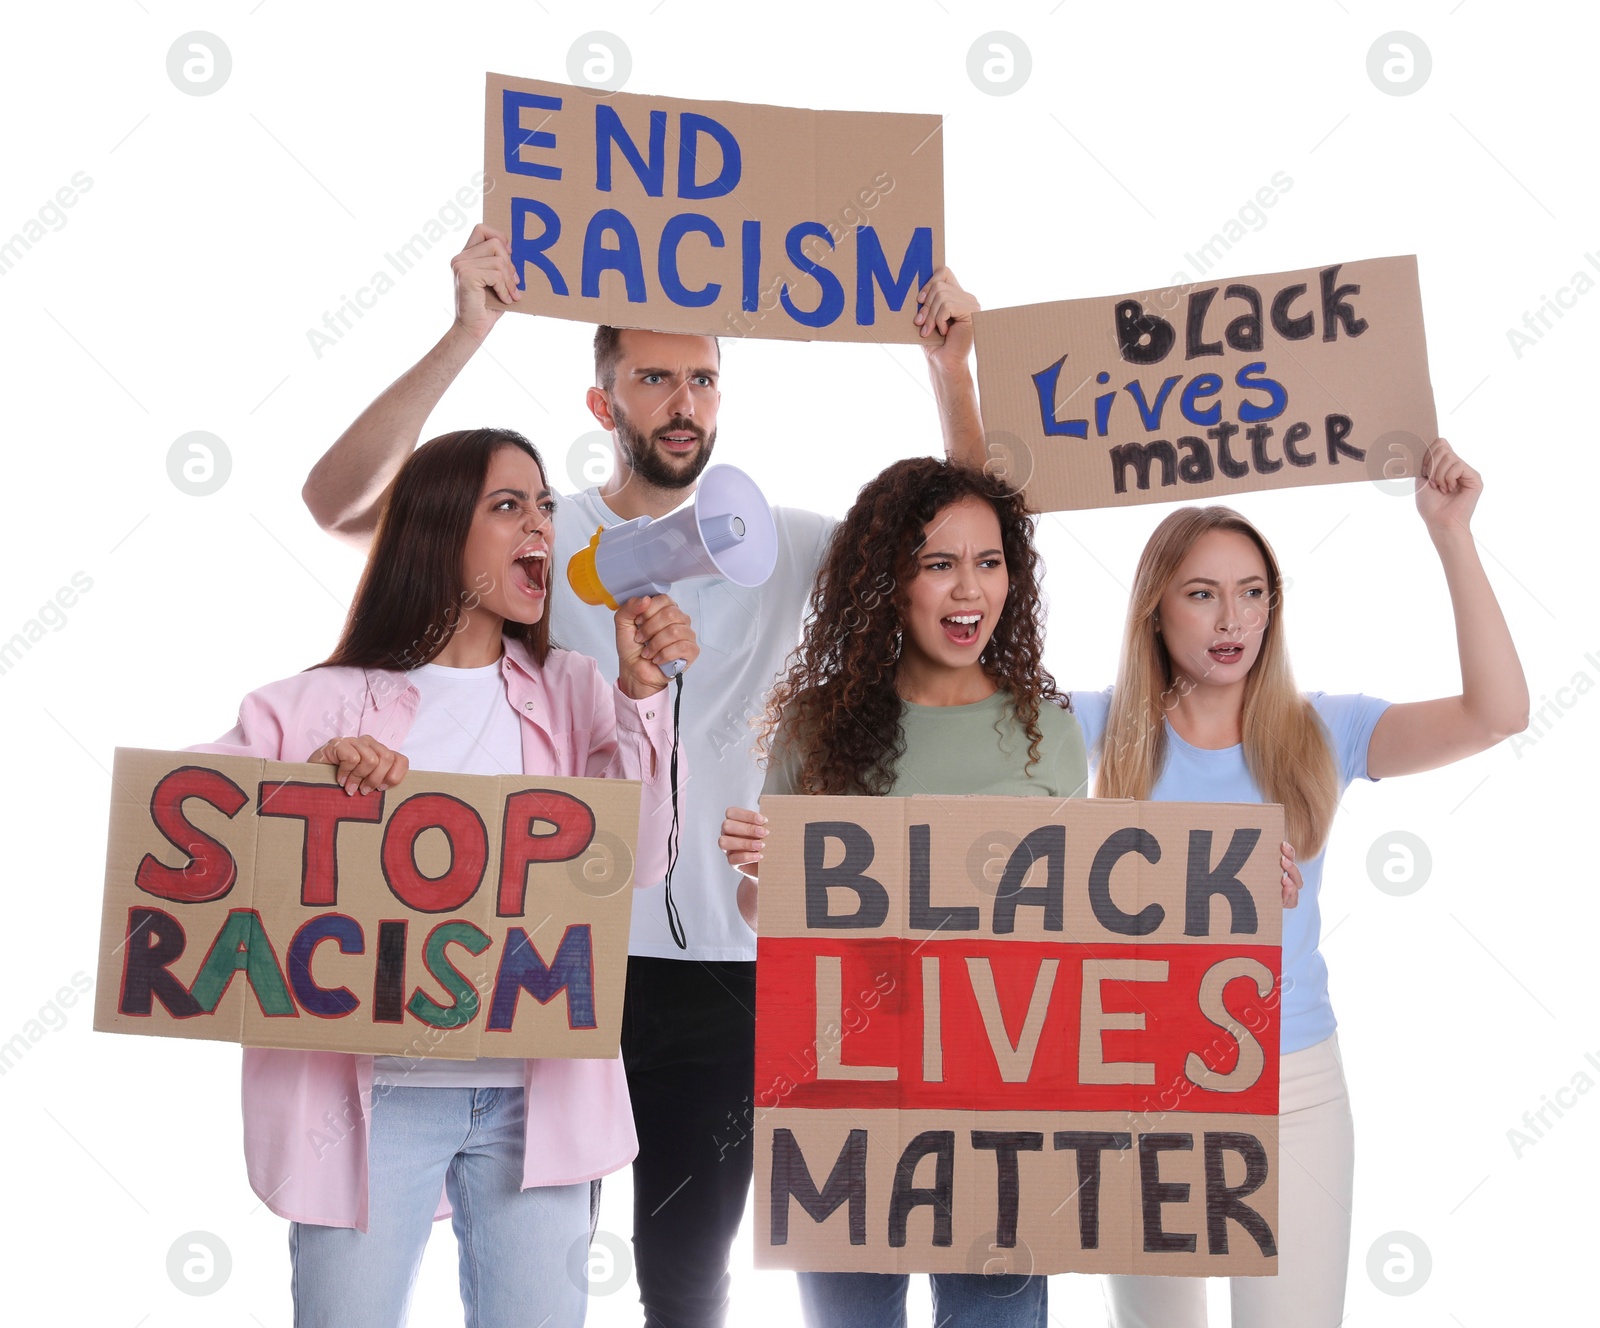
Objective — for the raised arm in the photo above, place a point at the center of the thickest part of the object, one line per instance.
(945, 323)
(1493, 703)
(345, 488)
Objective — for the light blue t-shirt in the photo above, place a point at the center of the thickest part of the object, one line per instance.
(1193, 774)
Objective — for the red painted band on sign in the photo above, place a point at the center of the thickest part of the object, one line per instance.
(880, 1022)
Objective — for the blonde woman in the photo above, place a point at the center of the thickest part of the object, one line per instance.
(1205, 709)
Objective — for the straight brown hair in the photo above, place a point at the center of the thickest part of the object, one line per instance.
(410, 600)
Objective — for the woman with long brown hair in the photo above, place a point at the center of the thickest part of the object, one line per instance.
(1206, 709)
(446, 664)
(920, 672)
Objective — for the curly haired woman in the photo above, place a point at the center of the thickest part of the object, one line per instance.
(920, 673)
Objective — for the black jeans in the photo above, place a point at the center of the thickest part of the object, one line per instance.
(688, 1043)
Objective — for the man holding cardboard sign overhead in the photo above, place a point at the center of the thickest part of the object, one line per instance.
(688, 1032)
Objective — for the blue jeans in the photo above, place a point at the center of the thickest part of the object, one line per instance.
(960, 1300)
(524, 1253)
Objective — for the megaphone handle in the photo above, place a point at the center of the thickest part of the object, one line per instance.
(673, 667)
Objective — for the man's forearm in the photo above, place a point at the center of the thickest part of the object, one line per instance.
(956, 396)
(345, 489)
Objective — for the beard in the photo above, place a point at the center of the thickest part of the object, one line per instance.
(654, 467)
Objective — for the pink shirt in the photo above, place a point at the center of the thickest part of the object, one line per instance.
(307, 1115)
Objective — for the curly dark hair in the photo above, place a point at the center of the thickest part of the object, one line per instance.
(838, 707)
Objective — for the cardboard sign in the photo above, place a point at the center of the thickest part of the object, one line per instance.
(996, 1035)
(714, 217)
(1196, 392)
(454, 915)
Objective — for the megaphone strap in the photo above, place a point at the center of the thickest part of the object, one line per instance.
(674, 922)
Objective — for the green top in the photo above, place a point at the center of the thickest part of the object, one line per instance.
(976, 749)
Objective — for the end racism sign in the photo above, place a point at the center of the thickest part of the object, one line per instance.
(453, 915)
(999, 1036)
(714, 217)
(1194, 393)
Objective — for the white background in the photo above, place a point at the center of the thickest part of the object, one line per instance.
(178, 294)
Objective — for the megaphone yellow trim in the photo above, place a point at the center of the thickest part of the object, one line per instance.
(585, 580)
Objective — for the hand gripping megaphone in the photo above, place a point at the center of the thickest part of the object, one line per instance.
(727, 531)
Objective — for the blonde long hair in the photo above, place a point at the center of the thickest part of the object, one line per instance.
(1285, 747)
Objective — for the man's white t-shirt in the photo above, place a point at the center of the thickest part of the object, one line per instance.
(745, 637)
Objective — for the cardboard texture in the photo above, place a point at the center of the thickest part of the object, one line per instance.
(714, 217)
(455, 915)
(1195, 392)
(996, 1035)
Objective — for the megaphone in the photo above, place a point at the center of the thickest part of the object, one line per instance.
(727, 531)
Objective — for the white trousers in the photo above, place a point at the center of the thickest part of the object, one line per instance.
(1316, 1162)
